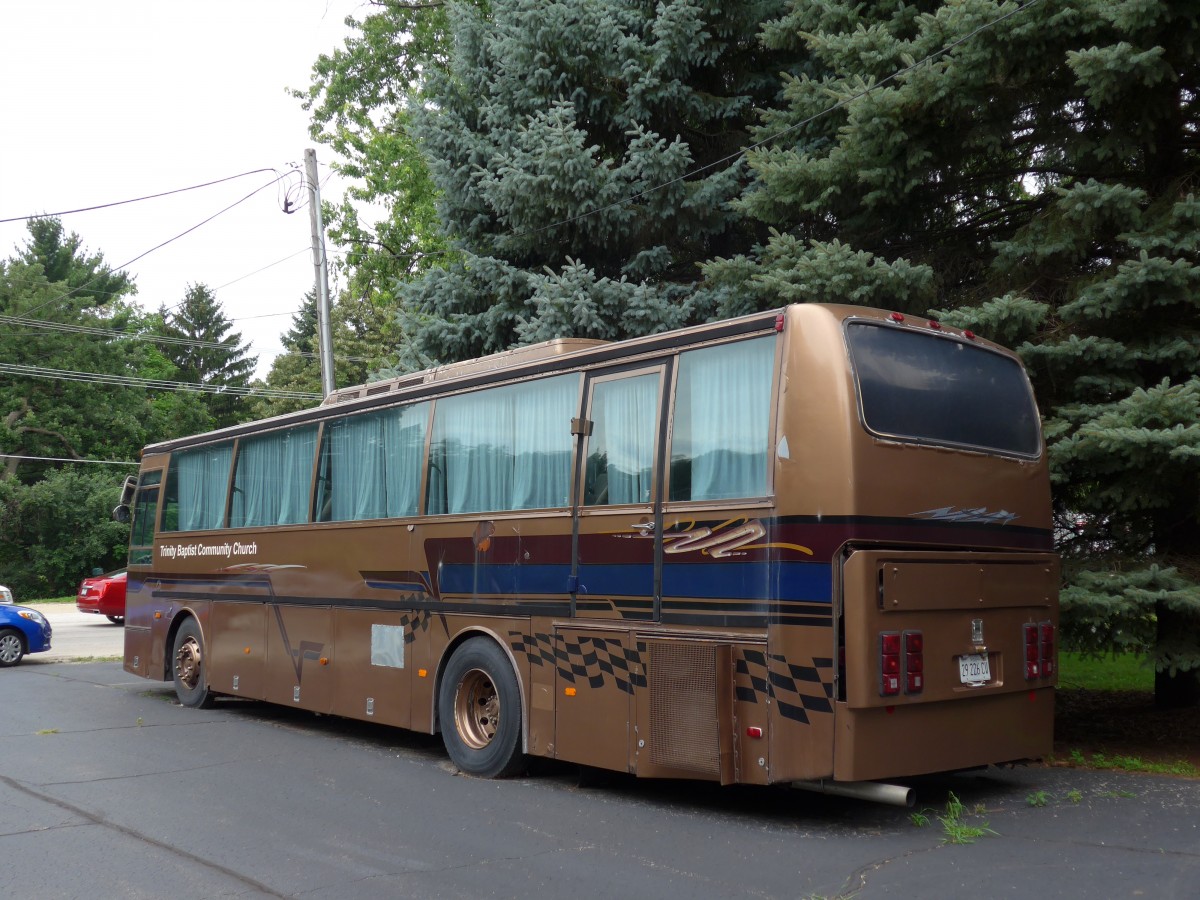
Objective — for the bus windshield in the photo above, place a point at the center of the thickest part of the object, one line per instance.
(937, 390)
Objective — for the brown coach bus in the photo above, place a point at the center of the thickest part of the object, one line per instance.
(809, 545)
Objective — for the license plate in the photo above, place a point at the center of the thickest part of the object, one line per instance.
(973, 668)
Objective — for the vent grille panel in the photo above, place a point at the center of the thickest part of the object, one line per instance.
(683, 707)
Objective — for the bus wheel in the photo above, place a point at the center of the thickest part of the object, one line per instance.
(479, 707)
(191, 678)
(12, 648)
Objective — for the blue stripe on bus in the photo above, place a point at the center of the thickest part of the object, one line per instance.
(753, 580)
(812, 582)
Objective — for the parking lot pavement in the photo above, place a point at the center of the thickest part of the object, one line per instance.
(77, 635)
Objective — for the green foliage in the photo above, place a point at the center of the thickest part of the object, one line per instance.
(360, 333)
(1042, 173)
(55, 523)
(55, 531)
(559, 137)
(956, 828)
(359, 98)
(197, 324)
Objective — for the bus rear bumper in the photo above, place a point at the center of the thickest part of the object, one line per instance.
(924, 738)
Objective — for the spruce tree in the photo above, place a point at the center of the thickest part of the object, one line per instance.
(198, 323)
(549, 118)
(1035, 183)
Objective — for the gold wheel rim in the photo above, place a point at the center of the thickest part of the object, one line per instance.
(476, 709)
(187, 663)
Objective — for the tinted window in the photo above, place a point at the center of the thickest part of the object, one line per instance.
(145, 508)
(921, 387)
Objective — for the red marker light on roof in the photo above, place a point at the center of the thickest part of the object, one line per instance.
(779, 322)
(935, 324)
(896, 317)
(969, 335)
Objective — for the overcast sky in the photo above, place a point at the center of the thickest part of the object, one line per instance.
(109, 100)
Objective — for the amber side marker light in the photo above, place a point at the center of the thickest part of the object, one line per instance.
(570, 692)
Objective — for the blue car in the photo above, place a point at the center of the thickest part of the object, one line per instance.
(22, 630)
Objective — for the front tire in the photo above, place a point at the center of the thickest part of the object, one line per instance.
(12, 647)
(189, 667)
(479, 708)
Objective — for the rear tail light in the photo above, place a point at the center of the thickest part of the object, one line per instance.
(901, 663)
(1032, 651)
(889, 664)
(1046, 648)
(914, 662)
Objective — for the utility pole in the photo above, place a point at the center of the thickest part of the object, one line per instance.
(321, 264)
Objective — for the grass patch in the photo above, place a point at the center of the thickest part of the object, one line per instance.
(954, 827)
(31, 601)
(1123, 672)
(1137, 764)
(1117, 762)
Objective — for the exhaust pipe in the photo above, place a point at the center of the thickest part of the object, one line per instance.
(874, 791)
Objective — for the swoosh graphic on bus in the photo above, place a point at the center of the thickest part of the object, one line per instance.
(719, 543)
(307, 649)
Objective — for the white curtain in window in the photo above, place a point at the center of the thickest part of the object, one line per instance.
(504, 448)
(625, 413)
(357, 470)
(722, 424)
(541, 440)
(202, 477)
(471, 431)
(273, 477)
(404, 451)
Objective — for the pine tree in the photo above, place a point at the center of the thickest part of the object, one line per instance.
(199, 323)
(548, 119)
(1035, 183)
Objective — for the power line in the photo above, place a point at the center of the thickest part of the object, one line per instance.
(149, 337)
(182, 190)
(67, 459)
(152, 383)
(125, 265)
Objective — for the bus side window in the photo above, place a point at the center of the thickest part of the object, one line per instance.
(721, 427)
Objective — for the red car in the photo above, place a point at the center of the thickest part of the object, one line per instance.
(103, 594)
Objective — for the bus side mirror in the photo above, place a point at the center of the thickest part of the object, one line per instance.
(127, 490)
(121, 513)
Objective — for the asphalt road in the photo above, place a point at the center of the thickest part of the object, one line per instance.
(108, 788)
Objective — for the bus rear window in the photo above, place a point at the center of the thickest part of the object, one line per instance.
(937, 390)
